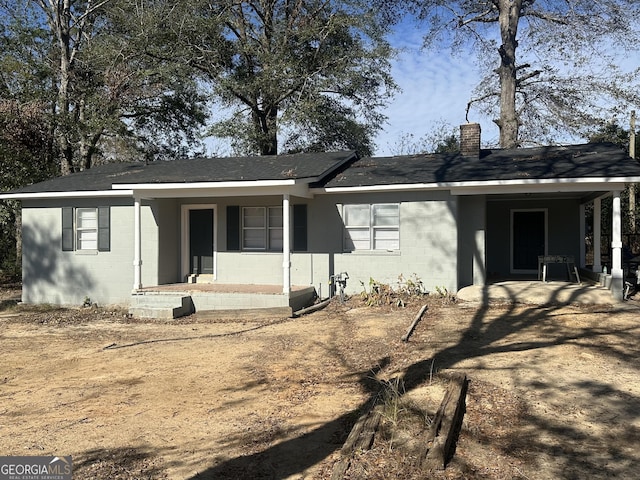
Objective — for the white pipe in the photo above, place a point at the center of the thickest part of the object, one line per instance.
(616, 233)
(617, 282)
(137, 246)
(286, 245)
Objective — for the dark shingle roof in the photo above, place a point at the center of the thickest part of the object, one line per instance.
(282, 167)
(597, 160)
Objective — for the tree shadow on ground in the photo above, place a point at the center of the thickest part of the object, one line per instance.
(297, 454)
(484, 336)
(564, 441)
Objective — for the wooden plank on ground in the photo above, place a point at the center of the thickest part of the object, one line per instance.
(406, 336)
(446, 425)
(360, 438)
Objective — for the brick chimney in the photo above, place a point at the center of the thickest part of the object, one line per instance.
(470, 140)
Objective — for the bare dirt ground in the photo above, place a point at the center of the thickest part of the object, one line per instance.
(554, 391)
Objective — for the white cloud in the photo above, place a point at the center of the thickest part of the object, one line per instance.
(435, 89)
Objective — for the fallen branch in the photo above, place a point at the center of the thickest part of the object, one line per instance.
(406, 336)
(312, 308)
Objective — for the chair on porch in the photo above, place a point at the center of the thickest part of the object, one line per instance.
(567, 260)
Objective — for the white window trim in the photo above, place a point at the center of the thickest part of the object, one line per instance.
(71, 230)
(370, 227)
(78, 230)
(266, 229)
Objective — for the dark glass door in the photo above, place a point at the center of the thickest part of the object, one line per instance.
(528, 239)
(201, 241)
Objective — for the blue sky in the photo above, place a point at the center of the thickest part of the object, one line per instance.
(435, 89)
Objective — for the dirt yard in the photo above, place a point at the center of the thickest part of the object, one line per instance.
(554, 392)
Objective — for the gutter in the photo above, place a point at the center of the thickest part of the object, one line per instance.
(74, 194)
(493, 186)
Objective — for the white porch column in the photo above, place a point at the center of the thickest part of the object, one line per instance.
(617, 281)
(597, 231)
(286, 245)
(137, 246)
(583, 235)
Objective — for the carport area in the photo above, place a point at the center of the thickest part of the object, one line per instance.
(557, 232)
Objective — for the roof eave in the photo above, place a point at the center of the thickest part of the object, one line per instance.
(495, 186)
(204, 185)
(296, 187)
(74, 194)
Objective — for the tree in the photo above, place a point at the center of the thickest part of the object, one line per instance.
(299, 74)
(27, 148)
(25, 157)
(556, 68)
(106, 96)
(77, 88)
(443, 139)
(612, 131)
(156, 108)
(615, 133)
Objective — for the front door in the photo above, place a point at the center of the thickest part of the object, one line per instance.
(201, 241)
(528, 239)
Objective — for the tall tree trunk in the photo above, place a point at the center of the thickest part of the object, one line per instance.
(508, 123)
(64, 120)
(266, 125)
(63, 114)
(60, 22)
(87, 142)
(632, 186)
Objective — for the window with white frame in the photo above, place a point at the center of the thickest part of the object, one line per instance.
(372, 226)
(262, 228)
(86, 229)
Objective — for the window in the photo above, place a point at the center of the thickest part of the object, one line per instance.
(262, 228)
(275, 228)
(86, 229)
(251, 234)
(372, 227)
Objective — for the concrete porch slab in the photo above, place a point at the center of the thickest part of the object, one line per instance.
(229, 297)
(537, 292)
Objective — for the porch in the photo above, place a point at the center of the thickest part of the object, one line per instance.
(180, 299)
(523, 228)
(537, 292)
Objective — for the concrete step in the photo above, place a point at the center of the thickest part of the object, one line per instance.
(160, 305)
